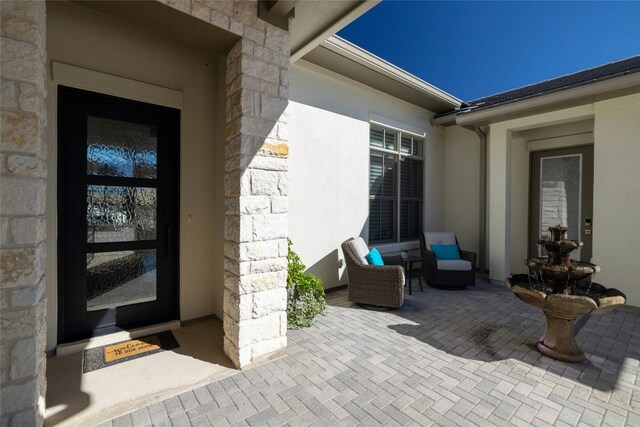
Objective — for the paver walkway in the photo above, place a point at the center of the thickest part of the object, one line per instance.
(446, 358)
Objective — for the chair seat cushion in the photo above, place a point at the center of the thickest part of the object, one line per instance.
(453, 265)
(360, 249)
(374, 257)
(446, 251)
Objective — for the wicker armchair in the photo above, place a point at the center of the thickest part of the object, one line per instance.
(447, 274)
(380, 285)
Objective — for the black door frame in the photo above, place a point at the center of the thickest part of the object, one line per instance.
(74, 106)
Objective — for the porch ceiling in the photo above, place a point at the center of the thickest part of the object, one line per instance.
(155, 16)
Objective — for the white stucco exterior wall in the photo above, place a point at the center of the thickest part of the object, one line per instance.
(616, 201)
(79, 36)
(462, 187)
(329, 165)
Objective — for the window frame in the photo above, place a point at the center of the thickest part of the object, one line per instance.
(398, 156)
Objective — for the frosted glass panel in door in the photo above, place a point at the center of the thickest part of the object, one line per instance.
(560, 196)
(117, 148)
(120, 278)
(120, 214)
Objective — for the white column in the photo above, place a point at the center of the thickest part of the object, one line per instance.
(499, 202)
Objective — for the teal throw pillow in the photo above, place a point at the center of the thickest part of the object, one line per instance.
(446, 251)
(374, 257)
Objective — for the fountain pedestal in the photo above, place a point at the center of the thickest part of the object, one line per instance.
(561, 311)
(558, 341)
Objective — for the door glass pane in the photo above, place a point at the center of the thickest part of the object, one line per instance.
(116, 148)
(120, 278)
(560, 196)
(120, 214)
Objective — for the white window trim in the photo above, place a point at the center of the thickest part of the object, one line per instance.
(109, 84)
(392, 124)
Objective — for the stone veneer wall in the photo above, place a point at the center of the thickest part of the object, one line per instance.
(22, 209)
(256, 151)
(255, 188)
(554, 206)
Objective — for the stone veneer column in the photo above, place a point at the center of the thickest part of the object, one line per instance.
(256, 225)
(256, 151)
(22, 209)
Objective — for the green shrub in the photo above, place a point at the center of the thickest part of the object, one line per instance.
(305, 293)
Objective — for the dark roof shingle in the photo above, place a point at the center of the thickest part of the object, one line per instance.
(581, 78)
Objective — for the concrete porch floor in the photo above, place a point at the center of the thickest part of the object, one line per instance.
(446, 358)
(75, 398)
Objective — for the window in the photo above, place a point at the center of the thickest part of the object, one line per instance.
(395, 186)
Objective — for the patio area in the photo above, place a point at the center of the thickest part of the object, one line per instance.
(445, 358)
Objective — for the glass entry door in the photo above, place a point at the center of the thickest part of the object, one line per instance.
(117, 214)
(562, 193)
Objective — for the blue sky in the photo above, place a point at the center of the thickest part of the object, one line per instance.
(475, 49)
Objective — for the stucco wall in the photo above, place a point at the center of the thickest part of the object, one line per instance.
(82, 37)
(462, 186)
(616, 201)
(329, 165)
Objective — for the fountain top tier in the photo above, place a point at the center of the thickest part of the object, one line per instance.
(559, 272)
(558, 246)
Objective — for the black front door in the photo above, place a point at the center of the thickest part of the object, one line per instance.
(117, 213)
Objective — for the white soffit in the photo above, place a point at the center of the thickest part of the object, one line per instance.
(349, 60)
(316, 20)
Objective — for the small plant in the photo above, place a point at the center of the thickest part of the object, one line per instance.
(404, 252)
(305, 293)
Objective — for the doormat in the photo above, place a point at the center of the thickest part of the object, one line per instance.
(112, 354)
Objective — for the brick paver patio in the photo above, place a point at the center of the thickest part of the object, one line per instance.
(446, 358)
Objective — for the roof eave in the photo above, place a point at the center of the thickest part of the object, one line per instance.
(322, 28)
(522, 107)
(367, 59)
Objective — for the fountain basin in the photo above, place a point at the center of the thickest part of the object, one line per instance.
(561, 311)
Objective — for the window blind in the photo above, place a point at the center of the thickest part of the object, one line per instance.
(395, 186)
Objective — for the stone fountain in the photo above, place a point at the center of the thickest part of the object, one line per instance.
(564, 290)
